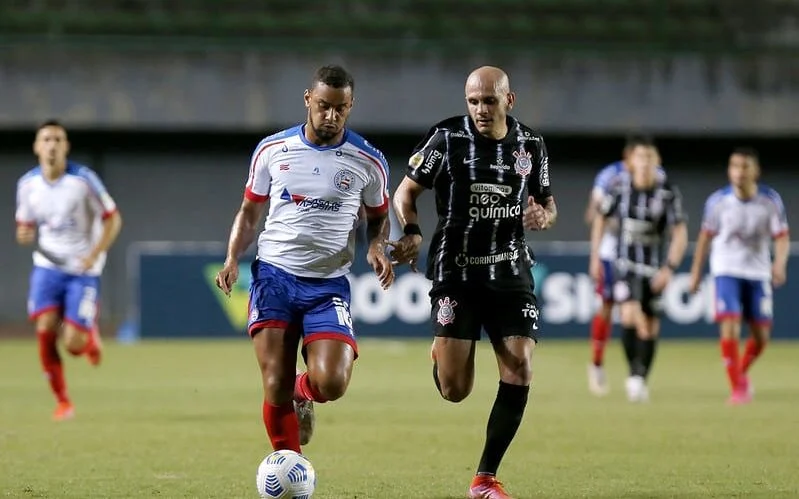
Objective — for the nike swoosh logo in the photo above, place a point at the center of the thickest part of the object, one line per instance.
(470, 161)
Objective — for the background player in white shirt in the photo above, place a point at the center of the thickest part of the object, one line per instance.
(740, 222)
(636, 148)
(316, 177)
(77, 222)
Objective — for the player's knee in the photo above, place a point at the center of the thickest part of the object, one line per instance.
(730, 329)
(75, 340)
(332, 387)
(517, 371)
(454, 392)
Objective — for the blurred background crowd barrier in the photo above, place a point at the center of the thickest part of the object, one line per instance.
(167, 98)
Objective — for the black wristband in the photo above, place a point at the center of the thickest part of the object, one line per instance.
(412, 230)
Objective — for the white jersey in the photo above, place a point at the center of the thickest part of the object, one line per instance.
(605, 181)
(742, 231)
(68, 214)
(315, 194)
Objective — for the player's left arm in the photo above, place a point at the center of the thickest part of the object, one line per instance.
(677, 221)
(782, 240)
(105, 207)
(542, 211)
(375, 200)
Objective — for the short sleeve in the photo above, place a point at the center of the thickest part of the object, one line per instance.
(609, 204)
(778, 219)
(24, 214)
(259, 181)
(428, 158)
(538, 184)
(675, 214)
(102, 203)
(375, 193)
(710, 215)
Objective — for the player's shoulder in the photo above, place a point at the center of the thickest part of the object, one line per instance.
(769, 193)
(357, 141)
(282, 135)
(79, 170)
(33, 173)
(453, 124)
(719, 195)
(526, 133)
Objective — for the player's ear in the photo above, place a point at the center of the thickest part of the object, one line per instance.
(511, 100)
(307, 97)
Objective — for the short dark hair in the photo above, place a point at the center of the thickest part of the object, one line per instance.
(747, 152)
(333, 76)
(634, 140)
(50, 122)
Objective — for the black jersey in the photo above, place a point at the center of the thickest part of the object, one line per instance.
(481, 186)
(645, 217)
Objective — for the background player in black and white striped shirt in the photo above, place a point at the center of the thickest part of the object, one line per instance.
(649, 212)
(490, 175)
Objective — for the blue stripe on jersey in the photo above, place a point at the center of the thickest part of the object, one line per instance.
(606, 175)
(288, 132)
(775, 198)
(87, 174)
(361, 143)
(33, 172)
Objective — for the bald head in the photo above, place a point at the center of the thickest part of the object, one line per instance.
(488, 98)
(488, 78)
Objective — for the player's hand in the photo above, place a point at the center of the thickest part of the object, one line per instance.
(595, 270)
(26, 234)
(696, 281)
(376, 256)
(778, 275)
(535, 216)
(406, 250)
(88, 261)
(661, 279)
(227, 277)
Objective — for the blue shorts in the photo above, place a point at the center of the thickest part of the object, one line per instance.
(738, 298)
(319, 308)
(76, 297)
(604, 288)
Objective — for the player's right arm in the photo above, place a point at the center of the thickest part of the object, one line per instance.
(26, 222)
(709, 229)
(605, 209)
(245, 223)
(424, 166)
(598, 193)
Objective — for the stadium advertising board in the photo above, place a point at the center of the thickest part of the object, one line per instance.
(176, 297)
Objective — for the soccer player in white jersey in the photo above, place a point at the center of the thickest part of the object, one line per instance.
(636, 148)
(740, 222)
(77, 222)
(315, 176)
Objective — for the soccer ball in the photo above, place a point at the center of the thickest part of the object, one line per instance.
(284, 474)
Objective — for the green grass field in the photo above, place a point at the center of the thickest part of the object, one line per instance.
(178, 420)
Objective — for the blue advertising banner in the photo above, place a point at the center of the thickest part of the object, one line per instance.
(177, 297)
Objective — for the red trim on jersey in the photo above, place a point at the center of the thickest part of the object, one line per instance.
(376, 211)
(761, 323)
(782, 233)
(269, 323)
(344, 338)
(109, 214)
(79, 327)
(24, 223)
(258, 155)
(709, 232)
(256, 198)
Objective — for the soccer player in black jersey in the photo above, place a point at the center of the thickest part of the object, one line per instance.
(648, 211)
(490, 176)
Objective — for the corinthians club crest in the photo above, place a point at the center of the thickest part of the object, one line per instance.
(446, 311)
(524, 162)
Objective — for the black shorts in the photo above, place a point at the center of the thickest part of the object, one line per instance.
(638, 288)
(463, 312)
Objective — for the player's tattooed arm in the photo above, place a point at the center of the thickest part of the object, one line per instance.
(377, 232)
(406, 250)
(552, 208)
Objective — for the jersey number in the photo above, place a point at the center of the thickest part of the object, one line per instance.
(343, 313)
(87, 309)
